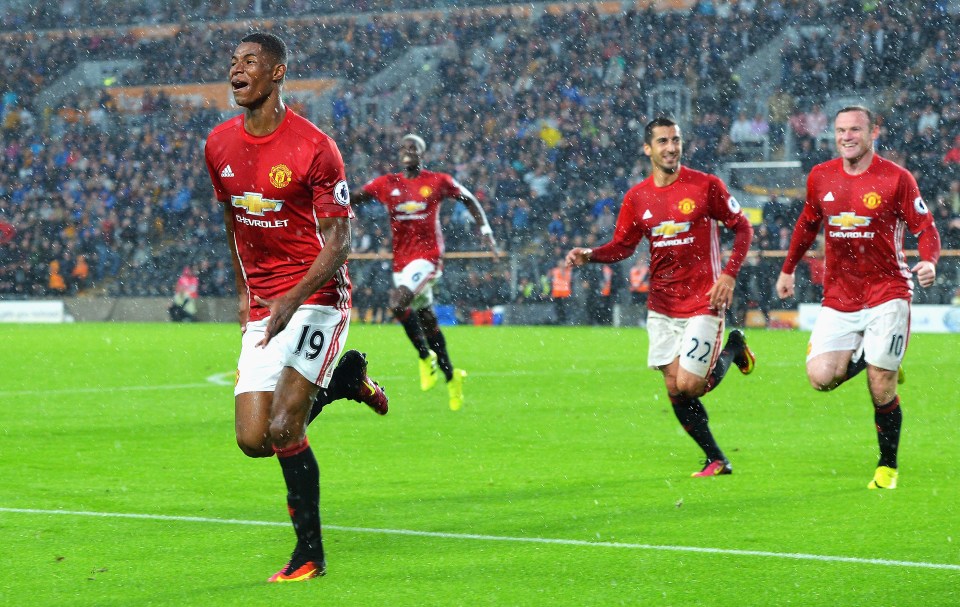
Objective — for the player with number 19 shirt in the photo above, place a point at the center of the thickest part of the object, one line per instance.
(278, 187)
(286, 215)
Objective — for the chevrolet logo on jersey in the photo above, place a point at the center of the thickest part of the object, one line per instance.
(255, 204)
(849, 221)
(411, 206)
(669, 228)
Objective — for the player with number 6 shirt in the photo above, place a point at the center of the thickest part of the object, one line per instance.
(413, 198)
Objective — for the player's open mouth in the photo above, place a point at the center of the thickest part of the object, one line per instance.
(238, 85)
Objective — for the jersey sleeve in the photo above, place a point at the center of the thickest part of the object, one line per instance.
(723, 207)
(328, 180)
(912, 207)
(626, 236)
(917, 216)
(375, 187)
(218, 190)
(453, 188)
(807, 228)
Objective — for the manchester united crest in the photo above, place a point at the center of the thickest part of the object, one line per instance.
(281, 176)
(425, 191)
(686, 206)
(871, 200)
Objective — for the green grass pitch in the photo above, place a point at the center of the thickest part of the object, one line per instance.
(563, 481)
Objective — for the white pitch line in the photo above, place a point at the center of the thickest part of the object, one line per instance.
(500, 538)
(12, 393)
(226, 379)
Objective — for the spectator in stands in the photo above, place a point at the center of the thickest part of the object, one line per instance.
(561, 290)
(929, 119)
(185, 295)
(781, 107)
(556, 228)
(951, 159)
(640, 280)
(759, 129)
(56, 283)
(815, 121)
(740, 129)
(80, 274)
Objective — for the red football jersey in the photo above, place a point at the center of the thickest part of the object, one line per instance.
(414, 207)
(864, 217)
(279, 186)
(680, 222)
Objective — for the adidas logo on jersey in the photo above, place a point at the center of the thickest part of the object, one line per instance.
(395, 192)
(828, 197)
(226, 172)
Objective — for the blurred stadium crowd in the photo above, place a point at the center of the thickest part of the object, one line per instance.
(541, 116)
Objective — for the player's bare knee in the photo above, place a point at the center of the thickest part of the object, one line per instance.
(691, 387)
(284, 432)
(254, 448)
(822, 382)
(401, 298)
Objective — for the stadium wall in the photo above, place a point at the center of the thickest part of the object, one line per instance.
(224, 309)
(925, 318)
(145, 309)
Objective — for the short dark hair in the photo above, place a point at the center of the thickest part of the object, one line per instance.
(857, 108)
(272, 45)
(658, 121)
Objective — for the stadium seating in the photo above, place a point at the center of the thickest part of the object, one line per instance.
(538, 113)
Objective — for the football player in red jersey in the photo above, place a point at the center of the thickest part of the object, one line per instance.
(287, 213)
(413, 198)
(865, 203)
(678, 210)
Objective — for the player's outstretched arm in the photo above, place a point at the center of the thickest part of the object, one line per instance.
(358, 197)
(476, 211)
(578, 256)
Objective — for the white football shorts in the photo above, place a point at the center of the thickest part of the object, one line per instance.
(882, 331)
(311, 343)
(419, 276)
(695, 340)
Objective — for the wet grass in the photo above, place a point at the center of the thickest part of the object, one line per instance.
(564, 481)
